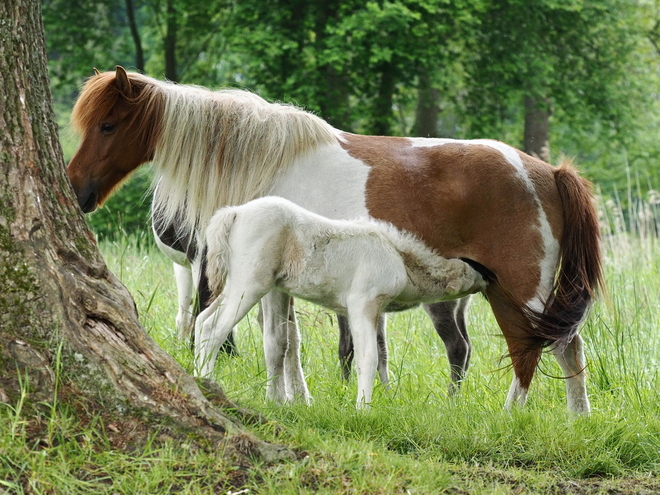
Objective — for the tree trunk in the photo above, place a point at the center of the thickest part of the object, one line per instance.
(170, 42)
(382, 113)
(135, 33)
(65, 320)
(427, 110)
(537, 127)
(335, 92)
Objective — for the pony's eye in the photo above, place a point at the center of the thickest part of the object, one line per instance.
(107, 128)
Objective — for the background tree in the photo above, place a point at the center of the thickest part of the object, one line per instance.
(69, 332)
(536, 57)
(575, 77)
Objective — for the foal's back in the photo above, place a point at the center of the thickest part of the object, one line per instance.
(318, 259)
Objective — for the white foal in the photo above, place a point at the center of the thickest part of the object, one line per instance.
(359, 268)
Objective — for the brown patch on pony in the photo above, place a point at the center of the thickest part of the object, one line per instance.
(465, 201)
(468, 201)
(580, 274)
(101, 94)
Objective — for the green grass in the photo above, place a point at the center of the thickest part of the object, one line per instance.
(415, 439)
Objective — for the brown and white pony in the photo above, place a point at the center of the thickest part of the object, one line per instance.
(532, 228)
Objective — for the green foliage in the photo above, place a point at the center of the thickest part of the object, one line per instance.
(359, 65)
(81, 35)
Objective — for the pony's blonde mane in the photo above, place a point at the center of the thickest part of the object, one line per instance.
(220, 148)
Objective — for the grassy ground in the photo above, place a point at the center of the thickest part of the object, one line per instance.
(415, 439)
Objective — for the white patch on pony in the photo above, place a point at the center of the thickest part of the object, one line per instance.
(327, 181)
(572, 363)
(517, 395)
(551, 245)
(178, 257)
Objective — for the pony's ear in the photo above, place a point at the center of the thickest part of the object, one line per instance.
(122, 81)
(96, 72)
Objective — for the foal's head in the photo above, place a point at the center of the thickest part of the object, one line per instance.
(118, 116)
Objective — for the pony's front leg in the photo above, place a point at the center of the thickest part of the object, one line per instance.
(282, 341)
(572, 364)
(184, 288)
(363, 317)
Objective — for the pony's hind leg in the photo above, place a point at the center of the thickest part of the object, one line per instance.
(282, 342)
(572, 363)
(294, 378)
(381, 342)
(523, 351)
(449, 322)
(345, 350)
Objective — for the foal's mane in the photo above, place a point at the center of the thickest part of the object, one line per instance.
(210, 148)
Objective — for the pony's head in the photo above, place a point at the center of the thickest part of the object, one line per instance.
(118, 116)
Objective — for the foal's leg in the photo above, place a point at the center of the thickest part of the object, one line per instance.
(363, 317)
(184, 288)
(294, 378)
(204, 297)
(572, 364)
(281, 340)
(215, 323)
(449, 321)
(346, 347)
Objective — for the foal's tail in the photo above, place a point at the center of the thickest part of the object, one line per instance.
(580, 275)
(218, 248)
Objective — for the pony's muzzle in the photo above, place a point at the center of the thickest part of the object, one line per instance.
(88, 197)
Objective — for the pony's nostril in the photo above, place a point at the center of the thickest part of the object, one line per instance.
(88, 205)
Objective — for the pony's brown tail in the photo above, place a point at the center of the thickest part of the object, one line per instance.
(579, 276)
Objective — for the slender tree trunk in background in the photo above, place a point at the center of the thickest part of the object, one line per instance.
(334, 100)
(383, 114)
(170, 42)
(68, 327)
(428, 109)
(537, 127)
(135, 33)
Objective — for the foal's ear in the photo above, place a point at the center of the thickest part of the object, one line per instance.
(122, 81)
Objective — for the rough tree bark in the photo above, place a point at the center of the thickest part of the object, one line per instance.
(58, 301)
(382, 116)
